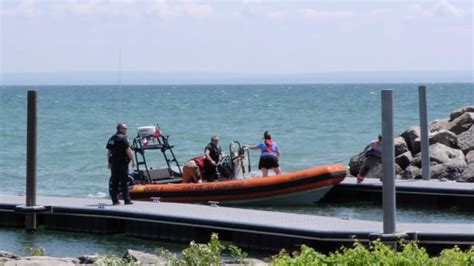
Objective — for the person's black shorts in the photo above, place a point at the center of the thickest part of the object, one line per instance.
(268, 162)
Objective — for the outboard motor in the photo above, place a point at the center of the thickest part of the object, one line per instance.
(226, 167)
(235, 165)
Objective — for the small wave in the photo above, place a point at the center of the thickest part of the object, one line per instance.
(98, 195)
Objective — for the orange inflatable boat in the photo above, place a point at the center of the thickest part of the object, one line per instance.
(294, 188)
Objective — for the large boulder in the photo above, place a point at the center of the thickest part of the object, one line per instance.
(7, 256)
(467, 175)
(438, 125)
(356, 163)
(375, 170)
(411, 172)
(143, 258)
(398, 171)
(458, 112)
(462, 123)
(403, 160)
(440, 154)
(466, 140)
(410, 135)
(444, 137)
(400, 145)
(88, 259)
(43, 260)
(470, 157)
(451, 170)
(246, 261)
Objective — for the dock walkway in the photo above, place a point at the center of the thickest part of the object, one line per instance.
(253, 229)
(416, 193)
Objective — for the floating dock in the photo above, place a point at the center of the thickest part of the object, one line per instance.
(433, 194)
(248, 229)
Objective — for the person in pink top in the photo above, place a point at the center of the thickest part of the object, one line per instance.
(269, 155)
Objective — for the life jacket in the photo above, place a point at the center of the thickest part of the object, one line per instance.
(199, 160)
(375, 149)
(214, 152)
(268, 145)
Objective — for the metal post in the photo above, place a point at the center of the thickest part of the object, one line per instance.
(31, 151)
(388, 162)
(424, 141)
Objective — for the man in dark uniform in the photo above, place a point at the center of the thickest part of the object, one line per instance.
(213, 153)
(119, 156)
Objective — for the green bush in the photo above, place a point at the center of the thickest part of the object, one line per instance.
(455, 256)
(169, 256)
(306, 256)
(110, 259)
(237, 253)
(376, 254)
(204, 254)
(207, 254)
(32, 251)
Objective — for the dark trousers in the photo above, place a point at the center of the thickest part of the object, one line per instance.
(370, 162)
(119, 178)
(210, 173)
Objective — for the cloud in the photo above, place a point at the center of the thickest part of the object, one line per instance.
(324, 14)
(166, 9)
(276, 14)
(442, 8)
(380, 12)
(249, 9)
(107, 8)
(445, 7)
(19, 8)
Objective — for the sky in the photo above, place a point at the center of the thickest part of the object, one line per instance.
(235, 36)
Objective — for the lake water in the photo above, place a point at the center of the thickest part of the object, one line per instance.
(313, 124)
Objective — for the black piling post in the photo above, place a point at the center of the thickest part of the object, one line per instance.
(31, 152)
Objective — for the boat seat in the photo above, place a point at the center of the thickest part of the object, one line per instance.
(156, 174)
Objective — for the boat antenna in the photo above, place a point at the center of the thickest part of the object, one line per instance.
(120, 82)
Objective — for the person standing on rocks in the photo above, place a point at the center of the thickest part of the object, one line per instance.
(373, 155)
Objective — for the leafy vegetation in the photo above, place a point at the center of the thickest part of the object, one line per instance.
(110, 259)
(238, 254)
(376, 254)
(32, 251)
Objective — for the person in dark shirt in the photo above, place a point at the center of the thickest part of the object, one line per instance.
(119, 156)
(213, 154)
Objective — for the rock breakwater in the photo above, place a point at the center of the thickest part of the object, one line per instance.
(451, 150)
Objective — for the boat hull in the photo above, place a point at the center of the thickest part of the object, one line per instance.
(297, 198)
(294, 188)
